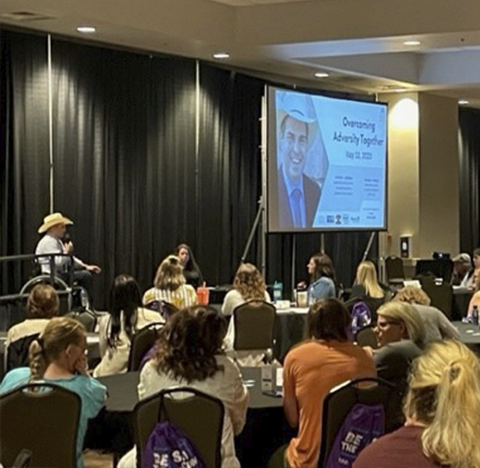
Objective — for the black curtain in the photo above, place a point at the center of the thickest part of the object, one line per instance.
(24, 151)
(469, 149)
(124, 157)
(148, 152)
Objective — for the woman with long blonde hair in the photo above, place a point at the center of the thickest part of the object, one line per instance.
(366, 282)
(442, 408)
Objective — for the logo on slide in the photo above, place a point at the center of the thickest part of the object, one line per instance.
(330, 219)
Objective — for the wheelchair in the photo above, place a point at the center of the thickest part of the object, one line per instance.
(74, 299)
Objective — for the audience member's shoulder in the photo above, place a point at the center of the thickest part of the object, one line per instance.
(15, 378)
(90, 384)
(151, 315)
(227, 363)
(149, 296)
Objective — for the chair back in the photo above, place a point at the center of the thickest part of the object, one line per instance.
(441, 295)
(42, 418)
(165, 308)
(198, 415)
(87, 318)
(142, 342)
(394, 269)
(254, 325)
(341, 400)
(366, 337)
(17, 352)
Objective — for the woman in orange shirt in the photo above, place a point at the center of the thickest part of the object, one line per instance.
(324, 360)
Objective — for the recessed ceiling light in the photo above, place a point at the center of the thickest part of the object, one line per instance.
(321, 75)
(221, 56)
(86, 29)
(463, 102)
(412, 43)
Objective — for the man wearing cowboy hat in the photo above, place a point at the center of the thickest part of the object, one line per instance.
(298, 195)
(54, 227)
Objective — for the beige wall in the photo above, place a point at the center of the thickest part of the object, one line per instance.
(439, 176)
(423, 174)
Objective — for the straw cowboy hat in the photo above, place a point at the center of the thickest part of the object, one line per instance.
(300, 107)
(52, 220)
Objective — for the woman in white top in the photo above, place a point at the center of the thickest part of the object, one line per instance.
(248, 286)
(169, 285)
(125, 318)
(190, 354)
(42, 305)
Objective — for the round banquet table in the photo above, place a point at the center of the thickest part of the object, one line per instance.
(265, 429)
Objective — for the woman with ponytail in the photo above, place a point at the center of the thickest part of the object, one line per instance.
(442, 410)
(59, 357)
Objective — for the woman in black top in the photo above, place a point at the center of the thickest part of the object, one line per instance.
(191, 271)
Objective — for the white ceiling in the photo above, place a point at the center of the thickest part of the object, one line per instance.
(359, 42)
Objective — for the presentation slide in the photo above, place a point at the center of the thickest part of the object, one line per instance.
(326, 163)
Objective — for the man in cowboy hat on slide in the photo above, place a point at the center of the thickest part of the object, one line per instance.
(298, 195)
(54, 227)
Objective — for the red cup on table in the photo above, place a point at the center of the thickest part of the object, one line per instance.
(203, 295)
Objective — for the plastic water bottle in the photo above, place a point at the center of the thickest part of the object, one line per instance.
(475, 315)
(277, 291)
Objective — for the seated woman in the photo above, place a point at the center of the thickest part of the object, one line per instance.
(169, 285)
(322, 275)
(437, 325)
(248, 286)
(441, 408)
(472, 277)
(367, 287)
(126, 316)
(401, 337)
(191, 270)
(324, 360)
(475, 300)
(59, 357)
(42, 305)
(190, 355)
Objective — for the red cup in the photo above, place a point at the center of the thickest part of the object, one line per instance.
(203, 296)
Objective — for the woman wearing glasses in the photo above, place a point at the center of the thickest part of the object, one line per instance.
(400, 337)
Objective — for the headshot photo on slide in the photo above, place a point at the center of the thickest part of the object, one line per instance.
(300, 166)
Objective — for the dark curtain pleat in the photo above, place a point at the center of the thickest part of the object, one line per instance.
(124, 157)
(229, 162)
(24, 151)
(469, 143)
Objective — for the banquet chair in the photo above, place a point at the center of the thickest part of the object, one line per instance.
(87, 318)
(16, 354)
(394, 270)
(198, 415)
(366, 337)
(341, 400)
(142, 342)
(254, 326)
(441, 295)
(29, 415)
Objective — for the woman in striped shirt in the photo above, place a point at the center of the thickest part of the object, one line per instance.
(169, 286)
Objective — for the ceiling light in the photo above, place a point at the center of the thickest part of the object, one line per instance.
(463, 102)
(221, 56)
(86, 29)
(321, 75)
(412, 43)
